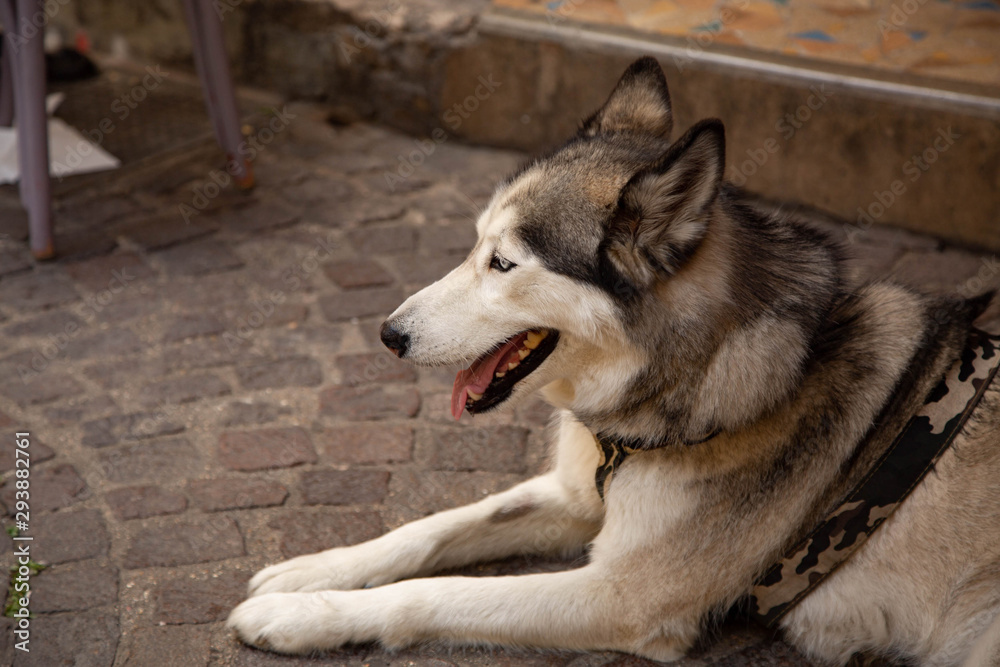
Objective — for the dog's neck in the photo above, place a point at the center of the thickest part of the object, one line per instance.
(718, 356)
(752, 372)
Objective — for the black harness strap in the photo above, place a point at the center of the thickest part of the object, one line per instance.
(911, 456)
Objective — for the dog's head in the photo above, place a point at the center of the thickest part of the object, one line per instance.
(568, 250)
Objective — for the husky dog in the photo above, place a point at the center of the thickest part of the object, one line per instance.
(625, 280)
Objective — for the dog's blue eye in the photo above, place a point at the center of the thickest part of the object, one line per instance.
(501, 264)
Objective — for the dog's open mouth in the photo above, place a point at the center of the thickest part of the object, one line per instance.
(491, 378)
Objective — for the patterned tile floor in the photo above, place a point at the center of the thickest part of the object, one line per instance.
(954, 40)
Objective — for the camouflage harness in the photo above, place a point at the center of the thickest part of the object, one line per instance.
(911, 456)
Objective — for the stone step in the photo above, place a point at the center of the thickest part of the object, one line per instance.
(864, 146)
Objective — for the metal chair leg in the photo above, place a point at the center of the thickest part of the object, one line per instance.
(27, 68)
(6, 85)
(33, 131)
(216, 80)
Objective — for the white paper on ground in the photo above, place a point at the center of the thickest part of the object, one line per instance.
(69, 151)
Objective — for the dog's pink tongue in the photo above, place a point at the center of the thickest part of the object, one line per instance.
(478, 376)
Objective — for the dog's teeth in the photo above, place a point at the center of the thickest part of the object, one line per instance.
(512, 365)
(534, 338)
(523, 353)
(500, 374)
(474, 396)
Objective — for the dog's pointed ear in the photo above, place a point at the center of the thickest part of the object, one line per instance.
(661, 218)
(639, 104)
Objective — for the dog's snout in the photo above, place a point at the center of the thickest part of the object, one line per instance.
(394, 339)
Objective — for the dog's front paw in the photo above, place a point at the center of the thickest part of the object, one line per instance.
(336, 569)
(288, 622)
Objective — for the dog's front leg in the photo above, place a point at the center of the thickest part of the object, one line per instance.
(579, 609)
(534, 517)
(555, 513)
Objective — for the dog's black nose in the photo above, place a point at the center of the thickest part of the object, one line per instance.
(393, 339)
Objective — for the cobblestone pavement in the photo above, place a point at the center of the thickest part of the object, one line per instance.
(209, 396)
